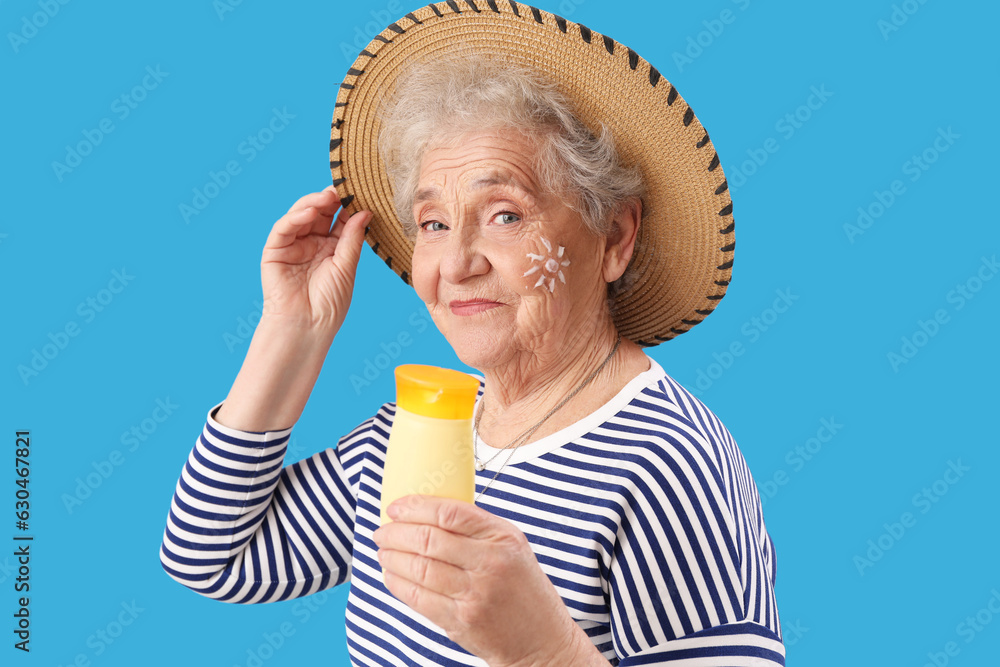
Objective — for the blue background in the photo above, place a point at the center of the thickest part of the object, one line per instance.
(177, 333)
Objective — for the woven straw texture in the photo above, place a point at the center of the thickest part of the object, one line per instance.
(684, 253)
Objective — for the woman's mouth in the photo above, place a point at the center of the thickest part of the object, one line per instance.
(471, 307)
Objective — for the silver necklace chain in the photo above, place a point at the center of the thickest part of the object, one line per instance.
(480, 465)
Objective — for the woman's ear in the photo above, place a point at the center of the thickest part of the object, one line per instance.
(620, 241)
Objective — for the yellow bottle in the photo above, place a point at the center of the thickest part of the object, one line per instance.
(430, 445)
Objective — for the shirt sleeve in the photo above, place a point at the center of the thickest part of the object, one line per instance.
(243, 529)
(688, 578)
(745, 644)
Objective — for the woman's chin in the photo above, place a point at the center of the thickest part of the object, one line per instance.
(479, 347)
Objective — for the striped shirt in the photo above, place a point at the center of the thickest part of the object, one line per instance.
(643, 515)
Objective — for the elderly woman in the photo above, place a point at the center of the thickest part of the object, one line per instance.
(615, 519)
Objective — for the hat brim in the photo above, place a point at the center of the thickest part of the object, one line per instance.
(684, 252)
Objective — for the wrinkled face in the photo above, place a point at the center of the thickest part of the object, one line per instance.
(503, 267)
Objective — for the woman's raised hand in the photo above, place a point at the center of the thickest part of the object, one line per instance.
(308, 269)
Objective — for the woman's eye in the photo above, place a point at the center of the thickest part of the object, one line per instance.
(423, 225)
(507, 218)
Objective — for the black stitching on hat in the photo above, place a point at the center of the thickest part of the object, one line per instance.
(388, 262)
(395, 28)
(334, 165)
(726, 265)
(677, 331)
(704, 140)
(454, 6)
(561, 22)
(383, 39)
(340, 121)
(714, 164)
(355, 72)
(715, 297)
(644, 343)
(728, 248)
(339, 104)
(537, 15)
(722, 188)
(585, 33)
(729, 229)
(703, 312)
(366, 228)
(688, 117)
(473, 5)
(513, 5)
(722, 283)
(346, 201)
(338, 181)
(671, 96)
(493, 5)
(436, 10)
(375, 247)
(366, 53)
(660, 338)
(727, 209)
(609, 45)
(692, 322)
(334, 143)
(633, 59)
(347, 86)
(405, 276)
(654, 76)
(413, 18)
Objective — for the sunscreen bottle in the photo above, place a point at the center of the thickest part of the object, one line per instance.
(430, 445)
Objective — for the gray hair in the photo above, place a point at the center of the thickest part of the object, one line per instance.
(439, 100)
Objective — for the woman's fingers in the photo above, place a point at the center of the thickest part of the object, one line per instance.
(434, 575)
(311, 214)
(327, 200)
(351, 239)
(289, 227)
(431, 541)
(438, 608)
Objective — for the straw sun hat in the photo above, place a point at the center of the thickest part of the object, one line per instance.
(684, 252)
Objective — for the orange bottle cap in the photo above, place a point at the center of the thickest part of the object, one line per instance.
(435, 392)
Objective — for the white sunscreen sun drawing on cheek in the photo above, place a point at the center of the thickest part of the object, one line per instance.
(549, 266)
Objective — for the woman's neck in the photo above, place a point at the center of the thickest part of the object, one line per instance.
(520, 393)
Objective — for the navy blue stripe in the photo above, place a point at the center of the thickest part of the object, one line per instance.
(199, 455)
(292, 523)
(419, 635)
(195, 562)
(706, 652)
(313, 520)
(227, 502)
(228, 439)
(238, 487)
(332, 495)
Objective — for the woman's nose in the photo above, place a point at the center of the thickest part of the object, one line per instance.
(462, 257)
